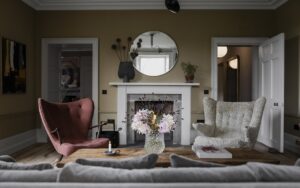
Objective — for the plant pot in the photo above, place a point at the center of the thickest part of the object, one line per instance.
(189, 78)
(126, 71)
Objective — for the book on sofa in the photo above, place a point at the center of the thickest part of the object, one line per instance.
(213, 152)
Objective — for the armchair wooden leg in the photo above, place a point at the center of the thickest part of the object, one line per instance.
(57, 160)
(60, 158)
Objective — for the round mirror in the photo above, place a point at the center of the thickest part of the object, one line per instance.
(153, 53)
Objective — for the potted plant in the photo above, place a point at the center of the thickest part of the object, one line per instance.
(189, 71)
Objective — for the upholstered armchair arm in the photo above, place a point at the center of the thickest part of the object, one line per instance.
(251, 131)
(57, 134)
(99, 127)
(204, 129)
(250, 136)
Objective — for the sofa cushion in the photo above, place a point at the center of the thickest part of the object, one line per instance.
(181, 161)
(74, 172)
(142, 162)
(275, 173)
(28, 175)
(21, 166)
(7, 158)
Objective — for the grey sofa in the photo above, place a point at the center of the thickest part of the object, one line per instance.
(149, 185)
(75, 175)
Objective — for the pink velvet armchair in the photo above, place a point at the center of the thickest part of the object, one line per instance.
(68, 125)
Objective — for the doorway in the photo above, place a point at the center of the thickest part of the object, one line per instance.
(235, 42)
(69, 72)
(267, 80)
(235, 73)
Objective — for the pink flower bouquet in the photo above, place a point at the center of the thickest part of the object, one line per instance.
(146, 121)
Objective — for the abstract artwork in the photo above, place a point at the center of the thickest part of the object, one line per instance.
(13, 67)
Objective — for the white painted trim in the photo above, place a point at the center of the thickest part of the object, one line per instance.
(223, 41)
(17, 142)
(290, 143)
(184, 91)
(152, 4)
(255, 73)
(151, 84)
(95, 73)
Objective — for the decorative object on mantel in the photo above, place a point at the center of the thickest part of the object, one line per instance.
(153, 125)
(126, 69)
(189, 71)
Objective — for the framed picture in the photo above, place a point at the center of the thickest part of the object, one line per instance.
(13, 67)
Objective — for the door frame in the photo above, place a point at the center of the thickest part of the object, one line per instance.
(238, 41)
(95, 71)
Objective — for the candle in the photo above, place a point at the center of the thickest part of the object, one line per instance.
(109, 147)
(153, 119)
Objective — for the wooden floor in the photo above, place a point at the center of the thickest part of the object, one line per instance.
(45, 153)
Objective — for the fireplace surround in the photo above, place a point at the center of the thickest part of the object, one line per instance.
(165, 103)
(127, 92)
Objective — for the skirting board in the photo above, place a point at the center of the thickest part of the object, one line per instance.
(290, 143)
(17, 142)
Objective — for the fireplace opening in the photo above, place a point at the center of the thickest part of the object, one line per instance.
(160, 107)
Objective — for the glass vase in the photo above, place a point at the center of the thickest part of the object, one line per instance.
(154, 143)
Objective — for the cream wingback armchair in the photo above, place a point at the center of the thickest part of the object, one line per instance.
(229, 124)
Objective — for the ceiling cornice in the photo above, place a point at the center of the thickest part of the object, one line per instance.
(153, 4)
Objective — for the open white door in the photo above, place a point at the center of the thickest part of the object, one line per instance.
(271, 62)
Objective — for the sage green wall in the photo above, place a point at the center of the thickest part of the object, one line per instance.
(192, 31)
(288, 22)
(17, 111)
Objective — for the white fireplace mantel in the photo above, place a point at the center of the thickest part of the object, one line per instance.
(182, 89)
(152, 84)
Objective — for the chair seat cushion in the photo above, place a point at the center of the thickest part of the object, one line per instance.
(218, 142)
(69, 146)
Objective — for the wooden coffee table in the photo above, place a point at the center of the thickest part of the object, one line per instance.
(239, 156)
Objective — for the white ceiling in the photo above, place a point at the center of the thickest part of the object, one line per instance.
(151, 4)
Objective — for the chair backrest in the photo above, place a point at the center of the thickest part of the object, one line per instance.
(230, 118)
(72, 119)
